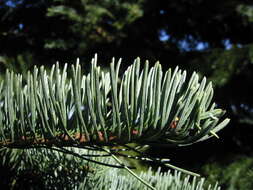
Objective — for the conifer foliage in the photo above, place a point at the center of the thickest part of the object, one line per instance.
(55, 109)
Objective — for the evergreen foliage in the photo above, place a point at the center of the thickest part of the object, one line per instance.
(213, 38)
(233, 175)
(52, 110)
(49, 169)
(146, 106)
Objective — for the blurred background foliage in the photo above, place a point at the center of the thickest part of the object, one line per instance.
(212, 37)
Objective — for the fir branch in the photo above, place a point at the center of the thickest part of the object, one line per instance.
(55, 109)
